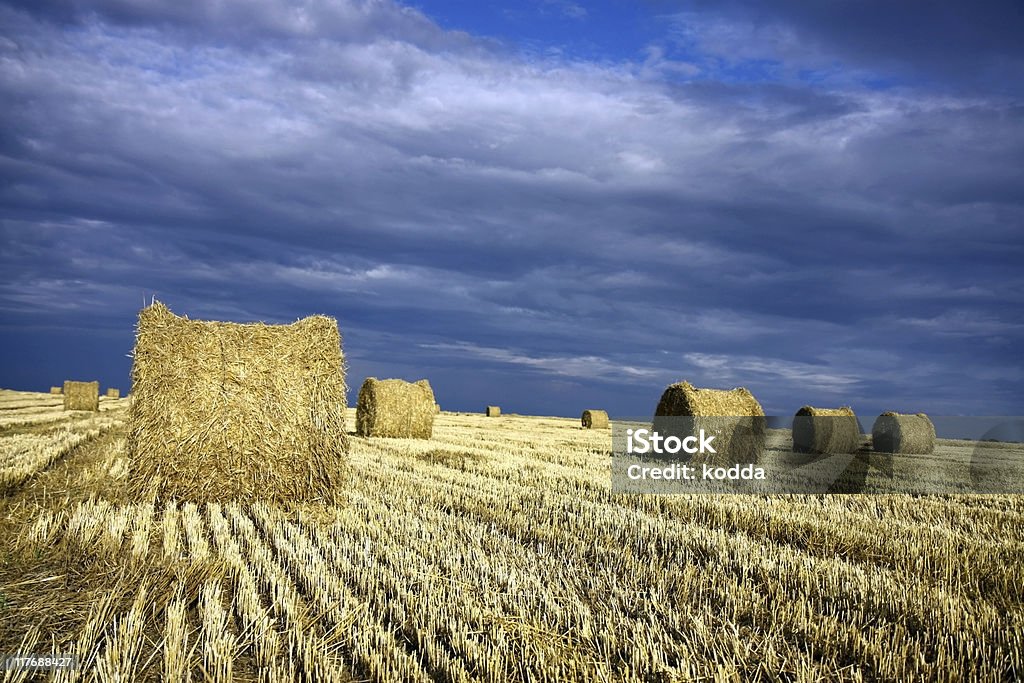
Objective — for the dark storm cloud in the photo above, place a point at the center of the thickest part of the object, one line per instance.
(561, 230)
(948, 43)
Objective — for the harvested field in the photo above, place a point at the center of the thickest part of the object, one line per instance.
(497, 552)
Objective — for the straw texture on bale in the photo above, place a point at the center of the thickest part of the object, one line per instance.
(81, 395)
(493, 411)
(733, 416)
(594, 419)
(826, 430)
(395, 408)
(230, 411)
(113, 393)
(56, 390)
(897, 433)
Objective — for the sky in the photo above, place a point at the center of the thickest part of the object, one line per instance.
(548, 205)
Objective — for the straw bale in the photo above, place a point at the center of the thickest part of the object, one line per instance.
(229, 411)
(898, 433)
(826, 430)
(395, 408)
(56, 390)
(81, 395)
(493, 411)
(113, 393)
(734, 416)
(437, 408)
(594, 419)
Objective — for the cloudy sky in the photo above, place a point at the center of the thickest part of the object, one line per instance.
(550, 205)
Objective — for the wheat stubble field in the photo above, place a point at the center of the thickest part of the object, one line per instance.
(493, 552)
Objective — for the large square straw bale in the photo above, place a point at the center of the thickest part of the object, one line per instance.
(81, 395)
(898, 433)
(395, 408)
(733, 416)
(826, 430)
(228, 411)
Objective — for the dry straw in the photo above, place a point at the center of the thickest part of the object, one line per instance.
(733, 416)
(227, 411)
(897, 433)
(113, 393)
(493, 411)
(395, 408)
(826, 430)
(81, 395)
(594, 419)
(56, 390)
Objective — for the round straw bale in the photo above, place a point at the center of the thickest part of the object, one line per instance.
(395, 408)
(437, 408)
(56, 390)
(594, 419)
(493, 411)
(826, 430)
(227, 411)
(113, 393)
(899, 433)
(81, 395)
(733, 416)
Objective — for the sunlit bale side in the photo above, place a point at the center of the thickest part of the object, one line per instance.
(493, 411)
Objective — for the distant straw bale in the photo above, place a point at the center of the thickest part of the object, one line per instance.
(395, 408)
(733, 416)
(826, 430)
(228, 411)
(594, 419)
(113, 393)
(897, 433)
(81, 395)
(56, 390)
(493, 411)
(437, 408)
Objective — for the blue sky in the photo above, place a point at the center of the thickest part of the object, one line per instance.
(547, 205)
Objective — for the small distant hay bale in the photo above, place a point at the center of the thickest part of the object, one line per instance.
(734, 416)
(113, 393)
(395, 408)
(826, 430)
(898, 433)
(493, 411)
(81, 395)
(594, 419)
(437, 408)
(229, 411)
(56, 390)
